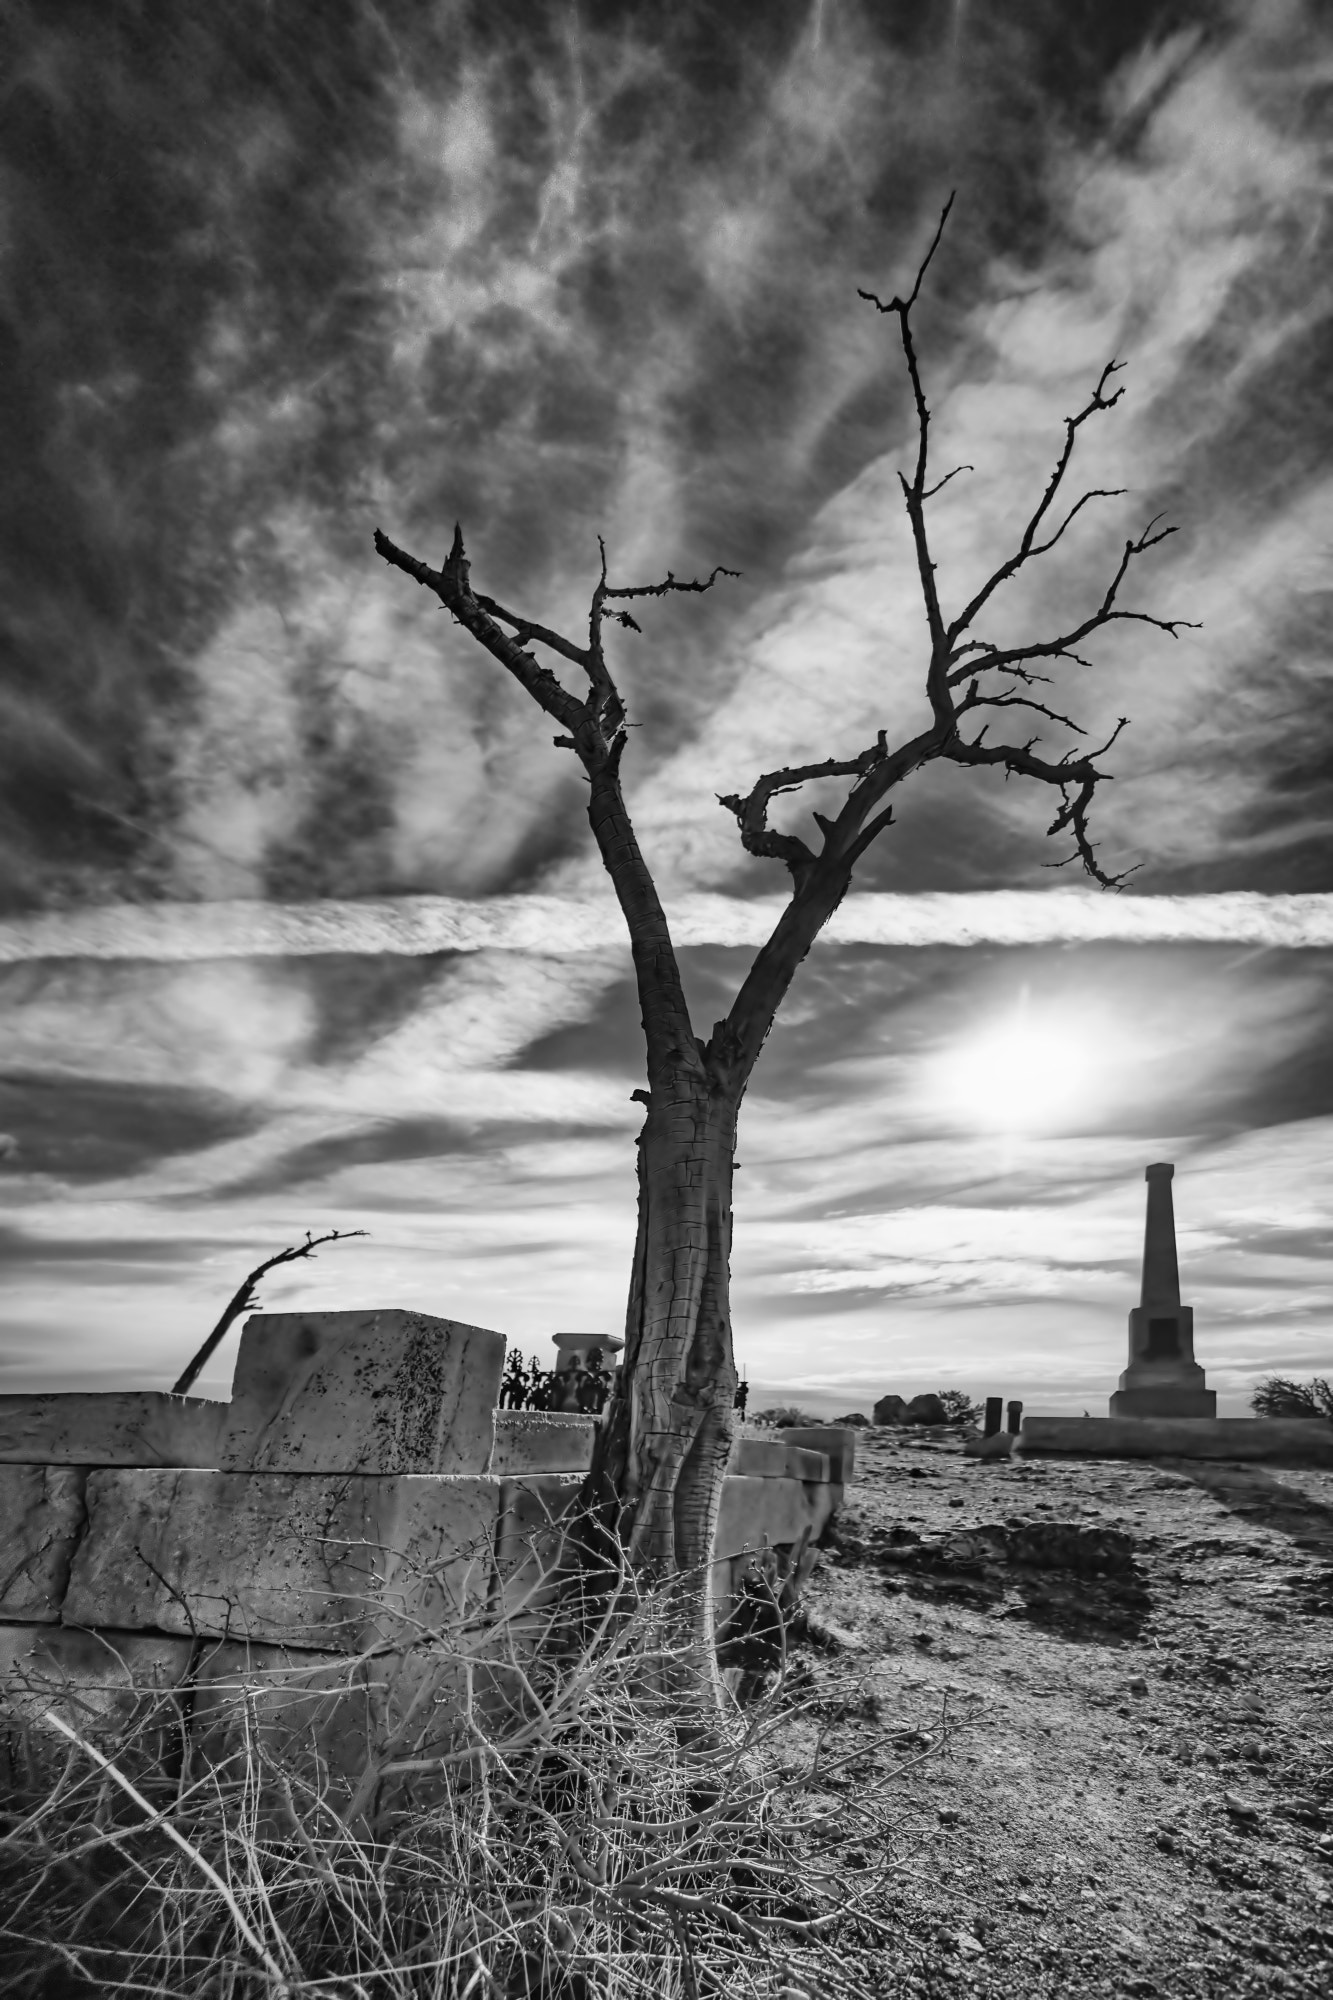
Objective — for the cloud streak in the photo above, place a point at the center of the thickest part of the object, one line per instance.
(413, 926)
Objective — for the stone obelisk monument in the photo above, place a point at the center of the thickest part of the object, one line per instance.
(1163, 1379)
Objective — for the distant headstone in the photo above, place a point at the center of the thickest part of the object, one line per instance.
(1015, 1419)
(926, 1409)
(890, 1410)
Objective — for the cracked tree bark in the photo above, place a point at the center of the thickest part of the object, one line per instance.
(660, 1455)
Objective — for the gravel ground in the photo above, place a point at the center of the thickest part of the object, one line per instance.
(1105, 1686)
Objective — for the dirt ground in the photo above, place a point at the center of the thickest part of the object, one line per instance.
(1108, 1687)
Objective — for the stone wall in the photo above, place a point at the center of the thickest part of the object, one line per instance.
(359, 1529)
(1304, 1441)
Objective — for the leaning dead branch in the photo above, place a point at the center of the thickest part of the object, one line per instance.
(246, 1296)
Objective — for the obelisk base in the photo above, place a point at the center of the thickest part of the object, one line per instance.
(1164, 1402)
(1163, 1379)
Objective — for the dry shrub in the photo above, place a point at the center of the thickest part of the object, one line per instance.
(577, 1848)
(1277, 1397)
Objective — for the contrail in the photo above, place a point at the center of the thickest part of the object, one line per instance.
(561, 927)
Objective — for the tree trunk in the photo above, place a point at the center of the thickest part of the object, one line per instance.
(661, 1451)
(660, 1455)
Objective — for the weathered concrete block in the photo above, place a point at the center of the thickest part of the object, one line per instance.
(117, 1689)
(999, 1444)
(364, 1736)
(1275, 1440)
(375, 1391)
(41, 1520)
(117, 1427)
(752, 1509)
(776, 1458)
(837, 1441)
(323, 1561)
(289, 1726)
(102, 1673)
(541, 1441)
(534, 1516)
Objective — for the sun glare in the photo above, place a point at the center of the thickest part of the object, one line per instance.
(1030, 1073)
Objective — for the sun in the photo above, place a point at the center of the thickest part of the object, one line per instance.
(1035, 1071)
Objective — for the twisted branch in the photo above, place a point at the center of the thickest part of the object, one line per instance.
(758, 838)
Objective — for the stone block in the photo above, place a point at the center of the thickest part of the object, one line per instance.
(1165, 1400)
(838, 1441)
(319, 1561)
(534, 1515)
(999, 1444)
(307, 1730)
(303, 1714)
(764, 1458)
(780, 1510)
(1272, 1440)
(381, 1392)
(117, 1689)
(41, 1519)
(116, 1427)
(541, 1441)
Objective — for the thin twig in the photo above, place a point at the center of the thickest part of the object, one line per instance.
(206, 1868)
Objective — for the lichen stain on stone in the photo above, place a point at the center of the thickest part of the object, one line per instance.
(411, 1420)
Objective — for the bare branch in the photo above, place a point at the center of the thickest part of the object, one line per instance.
(1006, 658)
(974, 699)
(939, 485)
(1076, 777)
(245, 1297)
(1093, 493)
(671, 583)
(914, 494)
(526, 629)
(1096, 402)
(451, 586)
(896, 304)
(752, 811)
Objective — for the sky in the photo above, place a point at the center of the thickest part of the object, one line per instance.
(301, 922)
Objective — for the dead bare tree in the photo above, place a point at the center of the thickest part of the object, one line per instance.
(661, 1453)
(246, 1296)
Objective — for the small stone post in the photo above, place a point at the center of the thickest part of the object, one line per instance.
(1015, 1418)
(994, 1416)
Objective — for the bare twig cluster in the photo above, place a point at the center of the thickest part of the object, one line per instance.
(563, 1846)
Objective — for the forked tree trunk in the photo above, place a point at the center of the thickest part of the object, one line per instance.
(660, 1454)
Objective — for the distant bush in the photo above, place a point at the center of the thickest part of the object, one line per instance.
(959, 1407)
(784, 1416)
(1277, 1397)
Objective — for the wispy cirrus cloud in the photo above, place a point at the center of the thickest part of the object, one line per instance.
(569, 926)
(301, 916)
